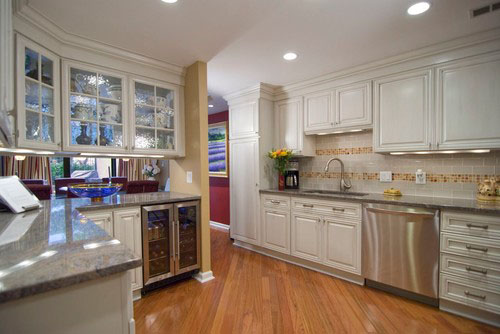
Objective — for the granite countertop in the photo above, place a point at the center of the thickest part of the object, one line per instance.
(56, 246)
(469, 205)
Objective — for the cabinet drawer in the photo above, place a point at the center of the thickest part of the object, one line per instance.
(478, 248)
(483, 271)
(470, 292)
(329, 208)
(276, 202)
(474, 225)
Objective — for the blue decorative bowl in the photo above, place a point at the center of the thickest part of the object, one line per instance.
(95, 191)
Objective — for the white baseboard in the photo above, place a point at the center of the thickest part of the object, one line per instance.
(204, 277)
(219, 225)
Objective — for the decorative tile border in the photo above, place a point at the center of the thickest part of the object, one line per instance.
(345, 151)
(410, 177)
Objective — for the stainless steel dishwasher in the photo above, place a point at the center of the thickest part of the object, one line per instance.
(401, 250)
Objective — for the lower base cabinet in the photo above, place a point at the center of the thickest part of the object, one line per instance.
(307, 232)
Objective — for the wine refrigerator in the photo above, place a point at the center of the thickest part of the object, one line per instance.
(171, 241)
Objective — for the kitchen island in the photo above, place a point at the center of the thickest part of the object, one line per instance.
(60, 272)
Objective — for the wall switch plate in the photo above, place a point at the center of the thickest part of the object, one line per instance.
(385, 176)
(420, 177)
(189, 177)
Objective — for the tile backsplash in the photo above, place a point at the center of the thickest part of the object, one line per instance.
(448, 175)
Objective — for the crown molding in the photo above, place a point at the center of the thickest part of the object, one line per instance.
(30, 15)
(261, 90)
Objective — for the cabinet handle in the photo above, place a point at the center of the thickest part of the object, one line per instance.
(430, 145)
(178, 241)
(275, 201)
(484, 227)
(481, 271)
(481, 249)
(308, 205)
(109, 220)
(59, 144)
(437, 145)
(172, 223)
(468, 294)
(338, 209)
(138, 215)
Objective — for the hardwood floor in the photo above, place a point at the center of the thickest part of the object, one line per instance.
(253, 293)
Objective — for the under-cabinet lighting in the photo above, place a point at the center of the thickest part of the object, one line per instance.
(418, 8)
(121, 155)
(126, 159)
(45, 152)
(337, 132)
(479, 151)
(356, 130)
(440, 152)
(322, 134)
(19, 157)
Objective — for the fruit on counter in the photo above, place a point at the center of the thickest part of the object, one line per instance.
(392, 192)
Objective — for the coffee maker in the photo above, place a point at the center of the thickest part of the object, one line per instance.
(292, 175)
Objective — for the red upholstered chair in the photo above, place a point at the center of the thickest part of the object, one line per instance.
(63, 183)
(33, 181)
(117, 179)
(139, 187)
(42, 191)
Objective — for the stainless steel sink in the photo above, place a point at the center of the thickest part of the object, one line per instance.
(332, 192)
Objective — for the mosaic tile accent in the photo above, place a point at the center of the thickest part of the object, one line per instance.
(345, 151)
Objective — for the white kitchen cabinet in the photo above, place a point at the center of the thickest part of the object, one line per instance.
(156, 114)
(102, 219)
(244, 120)
(403, 112)
(306, 235)
(38, 89)
(127, 229)
(342, 244)
(244, 171)
(6, 72)
(353, 106)
(275, 225)
(468, 104)
(290, 120)
(319, 113)
(94, 109)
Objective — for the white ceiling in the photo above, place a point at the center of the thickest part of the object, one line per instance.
(243, 41)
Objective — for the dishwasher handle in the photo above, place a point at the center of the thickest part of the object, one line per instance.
(402, 212)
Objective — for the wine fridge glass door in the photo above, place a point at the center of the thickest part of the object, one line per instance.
(187, 217)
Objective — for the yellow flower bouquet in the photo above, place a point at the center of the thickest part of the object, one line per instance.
(281, 158)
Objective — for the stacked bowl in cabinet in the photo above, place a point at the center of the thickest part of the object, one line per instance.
(470, 265)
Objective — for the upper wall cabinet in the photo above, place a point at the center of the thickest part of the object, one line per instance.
(156, 117)
(38, 87)
(244, 120)
(343, 108)
(94, 109)
(402, 107)
(468, 104)
(290, 120)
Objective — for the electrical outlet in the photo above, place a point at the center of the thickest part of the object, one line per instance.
(189, 177)
(385, 176)
(420, 177)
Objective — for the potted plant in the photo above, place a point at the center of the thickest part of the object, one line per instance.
(151, 170)
(281, 158)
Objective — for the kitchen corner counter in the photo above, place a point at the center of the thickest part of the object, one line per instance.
(56, 246)
(468, 205)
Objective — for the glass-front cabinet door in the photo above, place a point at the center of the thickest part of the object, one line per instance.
(187, 217)
(38, 87)
(94, 109)
(156, 122)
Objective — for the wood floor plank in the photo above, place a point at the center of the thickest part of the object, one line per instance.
(253, 293)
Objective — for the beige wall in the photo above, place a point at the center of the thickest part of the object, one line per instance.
(448, 175)
(196, 159)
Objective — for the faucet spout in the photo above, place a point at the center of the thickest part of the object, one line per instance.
(344, 183)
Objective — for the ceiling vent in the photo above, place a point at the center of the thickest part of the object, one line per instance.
(484, 10)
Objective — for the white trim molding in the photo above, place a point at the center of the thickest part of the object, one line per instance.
(219, 226)
(204, 277)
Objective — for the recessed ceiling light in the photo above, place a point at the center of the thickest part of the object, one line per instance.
(169, 1)
(418, 8)
(290, 56)
(210, 105)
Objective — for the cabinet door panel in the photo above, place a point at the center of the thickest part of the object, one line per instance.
(102, 219)
(342, 242)
(468, 104)
(244, 190)
(276, 230)
(306, 237)
(402, 112)
(353, 107)
(127, 229)
(318, 114)
(243, 120)
(289, 114)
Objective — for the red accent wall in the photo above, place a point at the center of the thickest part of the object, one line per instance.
(219, 186)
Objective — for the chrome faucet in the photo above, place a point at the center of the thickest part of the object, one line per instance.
(344, 184)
